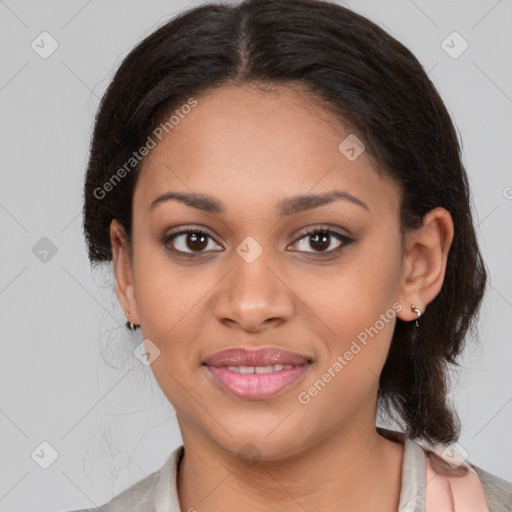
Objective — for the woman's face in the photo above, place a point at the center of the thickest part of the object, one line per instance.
(256, 279)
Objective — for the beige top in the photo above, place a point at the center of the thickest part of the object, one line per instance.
(158, 491)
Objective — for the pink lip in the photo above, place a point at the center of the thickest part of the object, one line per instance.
(254, 386)
(261, 357)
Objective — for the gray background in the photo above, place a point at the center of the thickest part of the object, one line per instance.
(62, 327)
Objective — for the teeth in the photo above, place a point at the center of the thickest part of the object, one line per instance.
(266, 369)
(260, 369)
(246, 369)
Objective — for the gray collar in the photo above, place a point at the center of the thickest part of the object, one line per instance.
(414, 472)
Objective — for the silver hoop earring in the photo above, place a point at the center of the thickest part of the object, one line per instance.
(418, 312)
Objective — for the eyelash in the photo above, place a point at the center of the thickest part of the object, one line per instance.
(345, 240)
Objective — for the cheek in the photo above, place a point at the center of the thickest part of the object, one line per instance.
(355, 306)
(168, 305)
(354, 294)
(164, 292)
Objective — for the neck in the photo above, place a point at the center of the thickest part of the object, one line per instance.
(356, 470)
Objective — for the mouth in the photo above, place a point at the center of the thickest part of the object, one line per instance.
(256, 374)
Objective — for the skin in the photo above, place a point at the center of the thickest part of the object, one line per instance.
(250, 148)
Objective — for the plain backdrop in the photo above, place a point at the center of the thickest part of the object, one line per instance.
(68, 377)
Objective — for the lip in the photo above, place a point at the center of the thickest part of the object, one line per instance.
(256, 386)
(266, 356)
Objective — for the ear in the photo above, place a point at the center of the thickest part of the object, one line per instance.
(424, 265)
(122, 263)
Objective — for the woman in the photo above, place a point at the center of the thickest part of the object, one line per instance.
(280, 190)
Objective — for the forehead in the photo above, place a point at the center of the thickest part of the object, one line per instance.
(253, 147)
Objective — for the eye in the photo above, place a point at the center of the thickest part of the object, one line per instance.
(188, 241)
(323, 241)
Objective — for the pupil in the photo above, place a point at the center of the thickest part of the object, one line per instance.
(198, 241)
(320, 239)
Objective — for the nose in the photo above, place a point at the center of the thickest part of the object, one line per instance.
(253, 296)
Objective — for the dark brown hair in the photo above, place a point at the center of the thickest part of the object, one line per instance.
(374, 85)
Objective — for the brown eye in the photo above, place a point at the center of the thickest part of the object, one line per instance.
(320, 241)
(188, 241)
(323, 241)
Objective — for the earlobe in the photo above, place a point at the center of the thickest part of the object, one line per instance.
(425, 260)
(122, 267)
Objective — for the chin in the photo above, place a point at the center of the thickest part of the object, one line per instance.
(262, 441)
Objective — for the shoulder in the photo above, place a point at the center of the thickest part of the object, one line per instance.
(143, 495)
(476, 488)
(138, 497)
(498, 492)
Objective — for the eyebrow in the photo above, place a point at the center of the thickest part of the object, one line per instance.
(288, 206)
